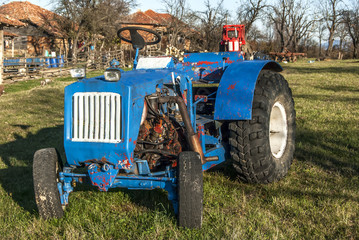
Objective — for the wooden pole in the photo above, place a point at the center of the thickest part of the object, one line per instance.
(1, 53)
(13, 47)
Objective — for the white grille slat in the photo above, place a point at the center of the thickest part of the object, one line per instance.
(113, 127)
(81, 117)
(102, 117)
(86, 117)
(107, 118)
(92, 118)
(118, 115)
(76, 117)
(96, 117)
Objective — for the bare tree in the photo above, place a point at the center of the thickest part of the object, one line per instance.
(300, 23)
(331, 17)
(89, 20)
(250, 11)
(178, 28)
(341, 33)
(321, 30)
(211, 21)
(279, 15)
(351, 21)
(292, 21)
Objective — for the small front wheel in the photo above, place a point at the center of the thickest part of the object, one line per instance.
(46, 167)
(190, 190)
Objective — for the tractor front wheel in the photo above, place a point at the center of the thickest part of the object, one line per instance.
(46, 167)
(190, 190)
(262, 148)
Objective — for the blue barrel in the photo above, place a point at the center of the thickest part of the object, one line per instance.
(61, 61)
(48, 62)
(53, 62)
(57, 60)
(11, 62)
(39, 62)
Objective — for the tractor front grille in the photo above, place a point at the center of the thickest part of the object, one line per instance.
(96, 117)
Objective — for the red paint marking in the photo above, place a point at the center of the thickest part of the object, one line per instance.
(232, 86)
(229, 61)
(201, 130)
(196, 97)
(187, 64)
(135, 142)
(130, 140)
(206, 62)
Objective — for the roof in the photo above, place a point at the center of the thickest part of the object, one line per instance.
(149, 17)
(28, 12)
(9, 21)
(9, 34)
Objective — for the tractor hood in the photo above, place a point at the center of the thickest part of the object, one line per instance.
(102, 119)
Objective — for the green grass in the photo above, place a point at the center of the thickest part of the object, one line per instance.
(319, 199)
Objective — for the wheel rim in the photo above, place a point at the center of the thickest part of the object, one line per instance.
(278, 130)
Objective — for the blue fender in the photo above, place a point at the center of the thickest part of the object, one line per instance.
(236, 89)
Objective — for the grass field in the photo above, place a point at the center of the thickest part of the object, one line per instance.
(319, 199)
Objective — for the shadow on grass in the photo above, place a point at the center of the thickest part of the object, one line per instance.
(330, 153)
(16, 178)
(155, 200)
(328, 98)
(323, 70)
(17, 181)
(341, 88)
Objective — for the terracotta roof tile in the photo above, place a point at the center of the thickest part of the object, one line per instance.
(149, 17)
(9, 34)
(140, 17)
(28, 12)
(160, 18)
(9, 21)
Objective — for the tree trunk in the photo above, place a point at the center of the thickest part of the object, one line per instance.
(320, 46)
(1, 53)
(330, 45)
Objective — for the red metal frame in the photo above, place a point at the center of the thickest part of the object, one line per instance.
(233, 38)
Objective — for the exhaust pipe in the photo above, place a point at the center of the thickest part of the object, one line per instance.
(192, 136)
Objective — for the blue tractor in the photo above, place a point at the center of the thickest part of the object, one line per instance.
(164, 123)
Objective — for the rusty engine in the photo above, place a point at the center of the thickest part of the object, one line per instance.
(161, 138)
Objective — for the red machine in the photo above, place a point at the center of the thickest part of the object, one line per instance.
(232, 38)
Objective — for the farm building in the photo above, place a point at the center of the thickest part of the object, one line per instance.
(165, 24)
(6, 21)
(41, 34)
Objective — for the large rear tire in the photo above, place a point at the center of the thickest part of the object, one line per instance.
(262, 148)
(190, 190)
(46, 167)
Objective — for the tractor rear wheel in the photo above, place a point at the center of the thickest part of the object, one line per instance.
(190, 190)
(46, 167)
(262, 148)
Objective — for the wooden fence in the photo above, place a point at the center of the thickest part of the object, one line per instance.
(39, 67)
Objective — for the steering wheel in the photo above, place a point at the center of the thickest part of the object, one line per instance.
(136, 39)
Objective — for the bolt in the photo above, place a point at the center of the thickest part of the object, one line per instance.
(92, 166)
(105, 167)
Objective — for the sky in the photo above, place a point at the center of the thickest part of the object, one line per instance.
(144, 5)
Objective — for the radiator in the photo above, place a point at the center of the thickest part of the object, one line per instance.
(96, 117)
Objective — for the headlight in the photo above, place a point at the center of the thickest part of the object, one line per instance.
(78, 73)
(112, 75)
